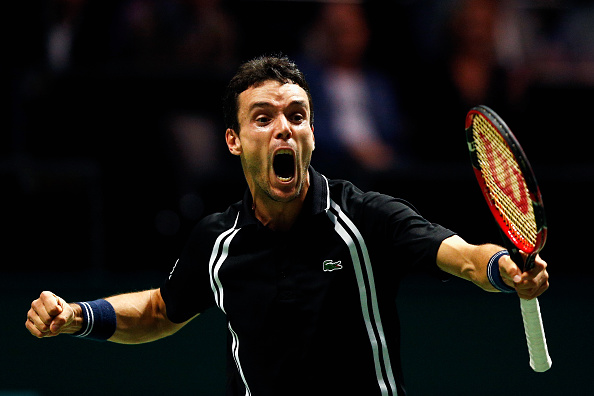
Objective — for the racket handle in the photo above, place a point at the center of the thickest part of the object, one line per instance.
(540, 360)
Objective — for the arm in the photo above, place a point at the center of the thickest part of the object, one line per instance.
(141, 317)
(457, 257)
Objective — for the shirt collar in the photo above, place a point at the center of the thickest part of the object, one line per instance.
(317, 200)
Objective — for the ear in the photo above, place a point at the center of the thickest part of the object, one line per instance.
(313, 135)
(233, 142)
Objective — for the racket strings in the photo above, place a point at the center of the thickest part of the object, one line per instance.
(504, 180)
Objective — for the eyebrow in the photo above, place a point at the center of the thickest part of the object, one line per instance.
(260, 104)
(256, 105)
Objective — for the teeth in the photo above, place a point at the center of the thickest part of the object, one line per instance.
(284, 151)
(285, 179)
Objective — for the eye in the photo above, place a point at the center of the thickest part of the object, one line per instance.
(262, 119)
(297, 118)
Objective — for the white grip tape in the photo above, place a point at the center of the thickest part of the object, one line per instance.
(540, 360)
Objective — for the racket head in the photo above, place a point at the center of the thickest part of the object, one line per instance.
(506, 180)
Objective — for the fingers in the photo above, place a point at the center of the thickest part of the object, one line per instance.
(63, 319)
(35, 325)
(529, 284)
(534, 282)
(48, 315)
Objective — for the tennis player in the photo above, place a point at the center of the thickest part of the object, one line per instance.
(305, 268)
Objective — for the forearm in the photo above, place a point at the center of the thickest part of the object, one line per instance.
(471, 262)
(467, 261)
(140, 317)
(131, 318)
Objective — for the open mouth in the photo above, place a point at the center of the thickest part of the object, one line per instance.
(284, 165)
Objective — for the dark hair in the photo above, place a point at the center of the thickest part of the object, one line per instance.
(256, 72)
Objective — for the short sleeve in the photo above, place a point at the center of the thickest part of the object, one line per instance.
(399, 233)
(415, 236)
(187, 290)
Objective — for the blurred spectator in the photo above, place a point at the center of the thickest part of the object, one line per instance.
(468, 73)
(357, 121)
(205, 52)
(66, 16)
(188, 47)
(78, 34)
(555, 54)
(578, 26)
(144, 34)
(196, 35)
(209, 36)
(197, 142)
(472, 62)
(557, 41)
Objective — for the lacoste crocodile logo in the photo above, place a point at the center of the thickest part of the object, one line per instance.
(330, 265)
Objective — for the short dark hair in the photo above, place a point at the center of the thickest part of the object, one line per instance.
(255, 72)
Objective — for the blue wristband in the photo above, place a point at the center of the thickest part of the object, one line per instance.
(99, 320)
(494, 275)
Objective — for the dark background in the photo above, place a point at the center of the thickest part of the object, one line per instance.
(96, 200)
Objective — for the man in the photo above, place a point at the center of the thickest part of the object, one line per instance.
(305, 268)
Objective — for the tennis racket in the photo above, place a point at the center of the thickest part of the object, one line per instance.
(510, 189)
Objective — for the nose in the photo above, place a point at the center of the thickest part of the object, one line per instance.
(284, 129)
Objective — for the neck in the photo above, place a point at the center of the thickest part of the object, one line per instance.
(279, 216)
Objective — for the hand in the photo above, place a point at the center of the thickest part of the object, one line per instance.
(530, 284)
(49, 316)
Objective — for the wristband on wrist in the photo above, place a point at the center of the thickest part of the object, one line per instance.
(99, 320)
(494, 275)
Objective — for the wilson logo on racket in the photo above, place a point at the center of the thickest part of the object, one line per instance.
(330, 265)
(510, 179)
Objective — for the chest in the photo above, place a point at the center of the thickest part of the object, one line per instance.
(269, 266)
(296, 276)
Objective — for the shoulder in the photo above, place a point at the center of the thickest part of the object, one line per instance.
(356, 202)
(203, 237)
(216, 223)
(380, 215)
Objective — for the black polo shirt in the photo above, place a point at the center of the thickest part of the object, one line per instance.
(310, 311)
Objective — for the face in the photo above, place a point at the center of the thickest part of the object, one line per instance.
(275, 140)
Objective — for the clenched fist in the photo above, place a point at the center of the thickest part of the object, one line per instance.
(50, 315)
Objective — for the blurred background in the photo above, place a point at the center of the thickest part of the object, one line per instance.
(112, 148)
